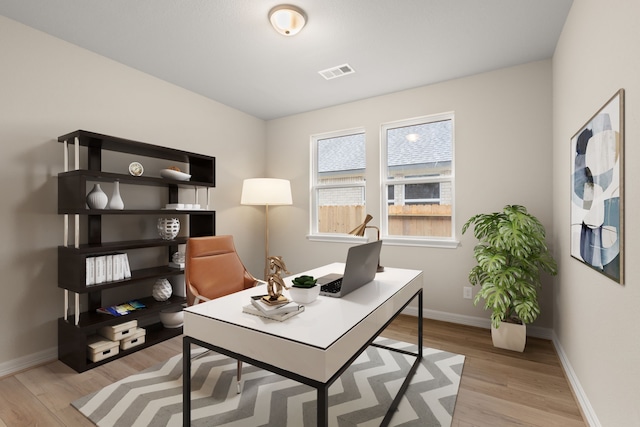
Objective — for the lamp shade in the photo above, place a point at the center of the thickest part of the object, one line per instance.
(266, 191)
(359, 230)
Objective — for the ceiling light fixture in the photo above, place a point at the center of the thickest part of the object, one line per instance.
(287, 20)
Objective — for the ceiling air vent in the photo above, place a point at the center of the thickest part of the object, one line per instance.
(339, 71)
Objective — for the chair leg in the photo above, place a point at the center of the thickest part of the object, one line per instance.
(239, 375)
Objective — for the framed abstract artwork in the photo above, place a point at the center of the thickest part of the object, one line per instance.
(597, 190)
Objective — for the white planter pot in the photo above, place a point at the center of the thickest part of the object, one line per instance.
(304, 295)
(509, 336)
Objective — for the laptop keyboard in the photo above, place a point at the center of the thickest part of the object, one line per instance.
(333, 287)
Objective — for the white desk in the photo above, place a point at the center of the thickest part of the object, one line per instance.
(314, 347)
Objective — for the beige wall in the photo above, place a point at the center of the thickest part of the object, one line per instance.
(502, 151)
(596, 319)
(49, 88)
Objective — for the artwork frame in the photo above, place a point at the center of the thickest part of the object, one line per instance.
(597, 190)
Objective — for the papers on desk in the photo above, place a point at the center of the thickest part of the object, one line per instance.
(279, 312)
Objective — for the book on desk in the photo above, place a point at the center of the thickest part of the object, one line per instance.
(279, 312)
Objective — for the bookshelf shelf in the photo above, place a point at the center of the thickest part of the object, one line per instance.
(73, 186)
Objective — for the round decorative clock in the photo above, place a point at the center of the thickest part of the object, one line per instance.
(136, 169)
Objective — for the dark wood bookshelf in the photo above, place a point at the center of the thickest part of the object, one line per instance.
(73, 187)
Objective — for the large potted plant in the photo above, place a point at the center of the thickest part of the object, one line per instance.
(510, 255)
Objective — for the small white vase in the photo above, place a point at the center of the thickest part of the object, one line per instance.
(96, 199)
(116, 202)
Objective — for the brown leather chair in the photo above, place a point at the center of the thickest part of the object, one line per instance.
(213, 269)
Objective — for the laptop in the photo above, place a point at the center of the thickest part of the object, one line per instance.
(360, 269)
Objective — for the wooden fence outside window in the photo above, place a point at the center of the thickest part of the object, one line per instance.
(408, 220)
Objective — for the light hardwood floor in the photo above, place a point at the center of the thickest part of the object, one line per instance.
(498, 387)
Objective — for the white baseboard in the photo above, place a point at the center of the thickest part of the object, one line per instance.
(480, 322)
(587, 410)
(16, 365)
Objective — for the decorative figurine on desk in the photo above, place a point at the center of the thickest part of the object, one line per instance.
(275, 284)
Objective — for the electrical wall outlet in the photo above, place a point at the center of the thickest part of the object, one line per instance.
(466, 292)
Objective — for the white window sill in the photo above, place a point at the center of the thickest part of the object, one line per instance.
(422, 242)
(340, 238)
(391, 241)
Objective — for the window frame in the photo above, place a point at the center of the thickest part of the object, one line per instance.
(385, 182)
(315, 187)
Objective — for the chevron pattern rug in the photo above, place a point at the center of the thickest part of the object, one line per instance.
(360, 397)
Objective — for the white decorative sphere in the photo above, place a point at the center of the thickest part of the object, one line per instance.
(162, 290)
(168, 228)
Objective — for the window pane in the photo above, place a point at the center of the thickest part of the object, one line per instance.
(423, 150)
(414, 193)
(342, 156)
(339, 195)
(340, 210)
(419, 177)
(425, 220)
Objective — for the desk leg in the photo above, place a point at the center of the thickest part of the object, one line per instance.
(420, 324)
(186, 382)
(323, 406)
(414, 367)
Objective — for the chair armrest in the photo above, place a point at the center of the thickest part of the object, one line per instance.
(199, 298)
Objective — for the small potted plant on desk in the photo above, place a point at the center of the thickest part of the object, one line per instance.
(510, 256)
(304, 289)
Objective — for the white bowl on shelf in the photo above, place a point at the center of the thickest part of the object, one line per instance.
(172, 319)
(171, 174)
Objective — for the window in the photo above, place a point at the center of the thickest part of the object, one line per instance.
(338, 182)
(417, 179)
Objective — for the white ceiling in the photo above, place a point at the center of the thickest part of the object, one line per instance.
(226, 50)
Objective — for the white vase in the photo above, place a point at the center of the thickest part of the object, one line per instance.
(162, 290)
(96, 199)
(116, 202)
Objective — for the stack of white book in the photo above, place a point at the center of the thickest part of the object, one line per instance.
(279, 311)
(107, 268)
